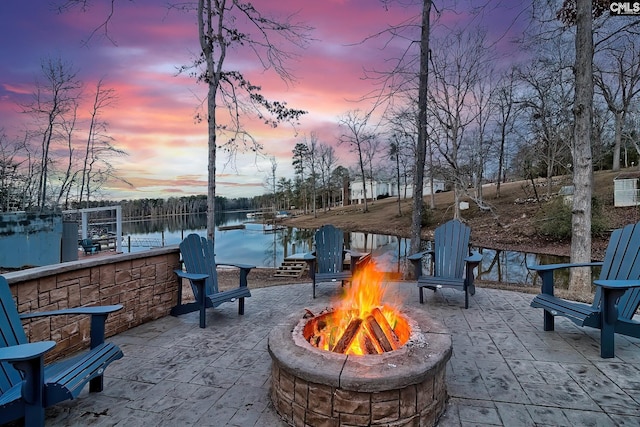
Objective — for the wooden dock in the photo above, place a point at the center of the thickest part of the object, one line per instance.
(231, 227)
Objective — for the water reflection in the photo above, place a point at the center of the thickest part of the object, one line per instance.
(511, 266)
(266, 245)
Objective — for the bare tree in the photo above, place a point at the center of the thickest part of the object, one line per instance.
(580, 279)
(482, 145)
(98, 144)
(13, 183)
(421, 145)
(328, 161)
(370, 148)
(220, 34)
(356, 136)
(457, 64)
(617, 76)
(273, 182)
(394, 154)
(504, 103)
(547, 99)
(52, 101)
(67, 178)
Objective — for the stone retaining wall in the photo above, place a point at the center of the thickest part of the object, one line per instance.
(143, 282)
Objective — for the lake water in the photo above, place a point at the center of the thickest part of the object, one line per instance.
(266, 246)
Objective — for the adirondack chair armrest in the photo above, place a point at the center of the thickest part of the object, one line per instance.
(355, 258)
(354, 254)
(474, 258)
(29, 360)
(190, 276)
(418, 255)
(416, 260)
(244, 271)
(98, 318)
(22, 352)
(550, 267)
(471, 262)
(611, 292)
(617, 284)
(97, 309)
(545, 271)
(307, 256)
(240, 266)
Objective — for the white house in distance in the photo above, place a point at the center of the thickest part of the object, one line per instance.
(389, 188)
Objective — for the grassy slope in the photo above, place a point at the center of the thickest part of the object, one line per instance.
(509, 225)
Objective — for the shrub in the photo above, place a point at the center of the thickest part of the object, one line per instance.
(427, 217)
(554, 219)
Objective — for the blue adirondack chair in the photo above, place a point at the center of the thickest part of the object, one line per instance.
(200, 263)
(89, 246)
(452, 261)
(326, 262)
(617, 294)
(27, 386)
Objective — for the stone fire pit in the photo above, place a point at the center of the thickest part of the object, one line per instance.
(404, 387)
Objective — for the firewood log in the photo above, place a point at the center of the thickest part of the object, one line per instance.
(347, 337)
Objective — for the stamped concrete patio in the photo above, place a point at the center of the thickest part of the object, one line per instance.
(505, 370)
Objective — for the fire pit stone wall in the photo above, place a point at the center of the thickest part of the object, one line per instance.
(405, 387)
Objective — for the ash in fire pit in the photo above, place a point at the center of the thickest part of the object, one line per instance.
(312, 386)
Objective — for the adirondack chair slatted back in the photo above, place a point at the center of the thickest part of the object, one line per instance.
(621, 262)
(11, 333)
(329, 243)
(198, 257)
(451, 246)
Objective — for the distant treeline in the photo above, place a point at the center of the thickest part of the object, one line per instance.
(151, 208)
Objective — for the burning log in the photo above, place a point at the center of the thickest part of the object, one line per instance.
(370, 343)
(376, 331)
(387, 330)
(348, 336)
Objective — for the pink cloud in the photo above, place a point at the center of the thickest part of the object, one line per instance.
(153, 118)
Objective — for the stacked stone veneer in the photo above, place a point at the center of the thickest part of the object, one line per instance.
(303, 403)
(405, 387)
(144, 283)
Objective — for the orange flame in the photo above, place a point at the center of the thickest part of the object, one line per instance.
(361, 303)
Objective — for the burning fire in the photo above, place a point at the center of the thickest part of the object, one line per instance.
(361, 323)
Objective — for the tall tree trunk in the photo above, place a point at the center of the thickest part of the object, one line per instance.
(206, 34)
(398, 187)
(618, 120)
(503, 138)
(580, 279)
(421, 149)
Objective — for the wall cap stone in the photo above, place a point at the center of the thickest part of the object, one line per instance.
(84, 263)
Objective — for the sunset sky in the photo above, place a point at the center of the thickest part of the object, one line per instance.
(153, 120)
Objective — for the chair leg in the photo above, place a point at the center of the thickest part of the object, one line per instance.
(33, 390)
(314, 288)
(549, 322)
(466, 298)
(241, 306)
(608, 318)
(96, 384)
(420, 288)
